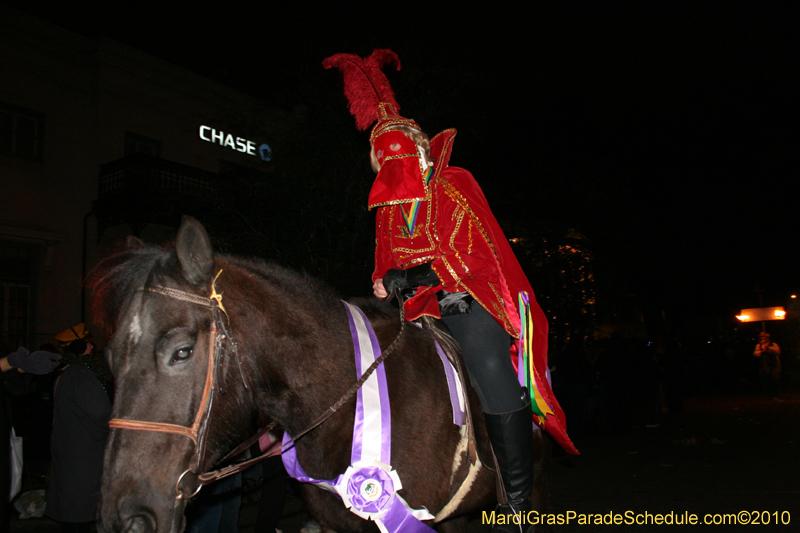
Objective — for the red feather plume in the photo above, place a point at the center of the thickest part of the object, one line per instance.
(365, 84)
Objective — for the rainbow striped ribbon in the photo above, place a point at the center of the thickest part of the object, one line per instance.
(526, 371)
(410, 218)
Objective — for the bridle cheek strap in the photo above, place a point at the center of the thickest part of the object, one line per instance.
(197, 431)
(187, 431)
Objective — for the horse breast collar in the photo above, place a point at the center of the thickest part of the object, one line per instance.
(369, 485)
(219, 340)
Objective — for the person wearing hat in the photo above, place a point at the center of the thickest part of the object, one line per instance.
(438, 241)
(74, 340)
(81, 410)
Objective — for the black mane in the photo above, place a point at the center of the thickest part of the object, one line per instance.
(301, 285)
(138, 265)
(116, 277)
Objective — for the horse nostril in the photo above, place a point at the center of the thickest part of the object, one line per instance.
(139, 524)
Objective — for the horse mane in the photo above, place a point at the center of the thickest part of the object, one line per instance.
(136, 265)
(117, 276)
(300, 286)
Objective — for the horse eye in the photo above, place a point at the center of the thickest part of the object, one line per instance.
(181, 355)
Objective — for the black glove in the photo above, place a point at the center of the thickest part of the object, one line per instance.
(35, 363)
(410, 278)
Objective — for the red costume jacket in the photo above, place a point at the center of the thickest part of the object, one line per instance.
(458, 232)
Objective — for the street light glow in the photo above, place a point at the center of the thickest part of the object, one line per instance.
(759, 314)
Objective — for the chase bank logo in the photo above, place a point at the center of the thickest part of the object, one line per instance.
(265, 152)
(214, 136)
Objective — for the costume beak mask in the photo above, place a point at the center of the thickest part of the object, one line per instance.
(401, 175)
(401, 178)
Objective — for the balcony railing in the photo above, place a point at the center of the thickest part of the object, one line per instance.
(139, 174)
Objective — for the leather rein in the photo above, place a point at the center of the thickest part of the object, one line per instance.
(220, 343)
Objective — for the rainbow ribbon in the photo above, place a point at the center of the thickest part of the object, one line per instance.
(410, 218)
(526, 370)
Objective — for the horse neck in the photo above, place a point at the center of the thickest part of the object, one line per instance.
(298, 350)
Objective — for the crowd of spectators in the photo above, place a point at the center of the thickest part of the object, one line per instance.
(616, 383)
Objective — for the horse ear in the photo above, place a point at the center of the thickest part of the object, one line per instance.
(194, 252)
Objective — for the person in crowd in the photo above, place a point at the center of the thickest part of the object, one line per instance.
(39, 362)
(81, 410)
(13, 366)
(769, 354)
(216, 508)
(273, 488)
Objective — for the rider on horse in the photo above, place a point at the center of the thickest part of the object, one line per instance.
(437, 236)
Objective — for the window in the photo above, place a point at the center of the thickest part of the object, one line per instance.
(139, 144)
(21, 132)
(16, 292)
(15, 314)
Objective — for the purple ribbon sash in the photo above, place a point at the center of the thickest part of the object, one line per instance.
(369, 485)
(454, 387)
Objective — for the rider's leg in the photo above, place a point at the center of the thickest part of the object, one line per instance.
(485, 347)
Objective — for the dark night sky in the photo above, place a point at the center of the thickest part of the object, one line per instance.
(668, 135)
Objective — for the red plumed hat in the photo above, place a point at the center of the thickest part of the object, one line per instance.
(401, 175)
(368, 90)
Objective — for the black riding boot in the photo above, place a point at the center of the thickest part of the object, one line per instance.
(511, 435)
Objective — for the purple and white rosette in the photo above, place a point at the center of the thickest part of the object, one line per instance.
(368, 488)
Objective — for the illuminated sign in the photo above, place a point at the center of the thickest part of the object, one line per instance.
(759, 314)
(239, 144)
(265, 152)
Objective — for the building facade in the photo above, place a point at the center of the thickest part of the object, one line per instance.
(99, 141)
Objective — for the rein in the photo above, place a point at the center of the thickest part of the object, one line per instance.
(197, 432)
(215, 475)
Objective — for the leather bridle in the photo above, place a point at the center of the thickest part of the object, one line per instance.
(220, 340)
(219, 343)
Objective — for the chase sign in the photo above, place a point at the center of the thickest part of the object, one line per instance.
(239, 144)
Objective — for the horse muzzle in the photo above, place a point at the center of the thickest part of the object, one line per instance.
(130, 517)
(143, 523)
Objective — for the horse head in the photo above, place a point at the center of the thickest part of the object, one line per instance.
(169, 326)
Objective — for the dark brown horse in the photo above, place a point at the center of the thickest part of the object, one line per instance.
(294, 351)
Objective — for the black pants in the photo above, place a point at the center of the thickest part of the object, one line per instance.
(485, 346)
(273, 495)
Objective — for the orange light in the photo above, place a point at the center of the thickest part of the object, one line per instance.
(762, 313)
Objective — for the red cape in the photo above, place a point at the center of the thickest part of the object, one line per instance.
(461, 264)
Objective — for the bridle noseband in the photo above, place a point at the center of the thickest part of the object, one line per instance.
(220, 342)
